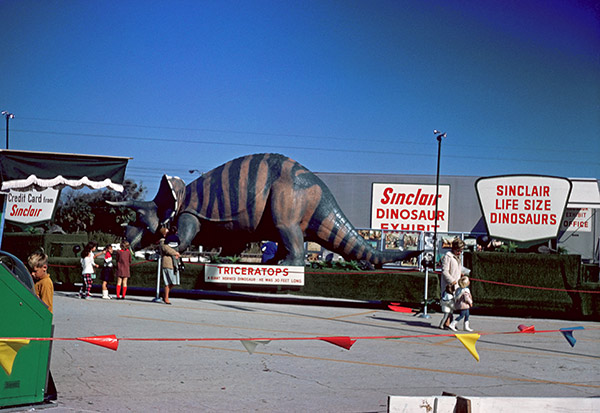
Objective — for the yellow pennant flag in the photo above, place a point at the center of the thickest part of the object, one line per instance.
(469, 341)
(8, 351)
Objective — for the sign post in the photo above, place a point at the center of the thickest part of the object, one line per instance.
(157, 299)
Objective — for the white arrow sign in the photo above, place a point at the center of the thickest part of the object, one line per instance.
(30, 206)
(523, 207)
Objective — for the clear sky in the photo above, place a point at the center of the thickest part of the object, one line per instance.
(340, 86)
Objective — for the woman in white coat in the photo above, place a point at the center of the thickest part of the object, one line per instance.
(452, 270)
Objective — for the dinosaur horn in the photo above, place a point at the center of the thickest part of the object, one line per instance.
(132, 204)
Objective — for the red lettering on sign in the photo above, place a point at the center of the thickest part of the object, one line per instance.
(24, 212)
(522, 218)
(399, 198)
(523, 190)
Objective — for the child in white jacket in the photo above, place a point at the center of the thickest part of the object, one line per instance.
(463, 302)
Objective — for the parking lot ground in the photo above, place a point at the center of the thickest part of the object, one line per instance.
(299, 372)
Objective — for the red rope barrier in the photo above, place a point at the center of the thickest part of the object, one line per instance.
(63, 266)
(388, 272)
(77, 266)
(534, 287)
(140, 262)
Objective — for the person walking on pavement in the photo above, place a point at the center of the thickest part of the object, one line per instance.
(464, 301)
(452, 270)
(88, 272)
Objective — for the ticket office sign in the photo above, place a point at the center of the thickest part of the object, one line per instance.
(577, 219)
(254, 274)
(523, 207)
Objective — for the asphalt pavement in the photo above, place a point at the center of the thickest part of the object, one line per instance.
(214, 372)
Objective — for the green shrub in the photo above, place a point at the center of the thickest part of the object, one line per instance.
(537, 270)
(55, 245)
(590, 302)
(395, 286)
(104, 239)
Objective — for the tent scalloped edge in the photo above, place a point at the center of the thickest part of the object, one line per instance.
(58, 182)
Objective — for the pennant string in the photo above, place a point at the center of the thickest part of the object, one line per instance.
(10, 346)
(111, 339)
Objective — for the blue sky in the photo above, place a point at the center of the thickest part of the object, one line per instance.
(340, 86)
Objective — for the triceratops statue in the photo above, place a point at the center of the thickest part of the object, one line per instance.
(253, 198)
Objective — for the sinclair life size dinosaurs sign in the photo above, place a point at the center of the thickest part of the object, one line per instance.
(252, 198)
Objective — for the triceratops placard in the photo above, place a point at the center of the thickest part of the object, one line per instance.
(253, 198)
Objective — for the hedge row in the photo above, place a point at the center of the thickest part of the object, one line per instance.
(56, 245)
(406, 287)
(550, 273)
(560, 272)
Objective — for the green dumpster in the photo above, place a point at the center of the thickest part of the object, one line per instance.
(23, 314)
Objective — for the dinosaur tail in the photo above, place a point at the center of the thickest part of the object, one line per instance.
(334, 231)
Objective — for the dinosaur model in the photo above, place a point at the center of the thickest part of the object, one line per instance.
(253, 198)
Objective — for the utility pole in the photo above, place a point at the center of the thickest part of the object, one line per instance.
(8, 116)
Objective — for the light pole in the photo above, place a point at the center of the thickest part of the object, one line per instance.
(431, 264)
(8, 116)
(439, 136)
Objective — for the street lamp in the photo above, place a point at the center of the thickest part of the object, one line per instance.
(439, 137)
(8, 116)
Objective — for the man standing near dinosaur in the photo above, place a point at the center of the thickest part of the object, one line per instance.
(168, 264)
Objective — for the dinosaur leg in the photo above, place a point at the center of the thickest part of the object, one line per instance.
(292, 204)
(293, 241)
(188, 227)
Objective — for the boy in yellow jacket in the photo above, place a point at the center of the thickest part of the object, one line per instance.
(44, 288)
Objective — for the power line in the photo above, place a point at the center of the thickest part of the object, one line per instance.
(312, 148)
(221, 143)
(226, 131)
(295, 135)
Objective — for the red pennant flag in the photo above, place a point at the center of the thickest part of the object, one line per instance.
(399, 309)
(111, 341)
(344, 342)
(526, 329)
